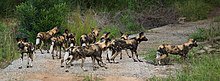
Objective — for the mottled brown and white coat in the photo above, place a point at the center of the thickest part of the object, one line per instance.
(182, 50)
(25, 47)
(42, 37)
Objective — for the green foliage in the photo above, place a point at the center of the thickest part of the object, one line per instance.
(41, 15)
(205, 34)
(217, 19)
(7, 45)
(199, 35)
(7, 7)
(114, 31)
(80, 25)
(129, 23)
(203, 68)
(193, 9)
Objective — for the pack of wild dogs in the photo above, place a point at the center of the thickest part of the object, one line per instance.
(90, 47)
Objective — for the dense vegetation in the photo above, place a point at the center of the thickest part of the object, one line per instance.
(7, 44)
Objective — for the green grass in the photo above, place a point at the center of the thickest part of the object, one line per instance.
(202, 68)
(8, 50)
(217, 19)
(206, 34)
(198, 67)
(80, 26)
(193, 9)
(114, 31)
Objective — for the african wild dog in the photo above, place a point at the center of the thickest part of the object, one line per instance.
(63, 41)
(90, 38)
(81, 52)
(182, 50)
(25, 47)
(44, 37)
(130, 44)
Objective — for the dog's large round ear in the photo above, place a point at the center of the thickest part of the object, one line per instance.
(121, 33)
(17, 39)
(141, 34)
(66, 31)
(107, 34)
(25, 39)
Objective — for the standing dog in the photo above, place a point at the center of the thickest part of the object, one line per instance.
(43, 37)
(131, 44)
(90, 38)
(182, 50)
(81, 52)
(63, 41)
(25, 47)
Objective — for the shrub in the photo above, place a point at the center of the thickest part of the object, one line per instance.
(114, 31)
(206, 34)
(7, 45)
(193, 9)
(40, 15)
(199, 35)
(129, 22)
(79, 24)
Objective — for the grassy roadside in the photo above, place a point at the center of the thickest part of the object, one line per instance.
(199, 66)
(7, 43)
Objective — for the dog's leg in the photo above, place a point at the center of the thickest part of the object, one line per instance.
(113, 57)
(61, 62)
(107, 58)
(60, 52)
(93, 63)
(52, 50)
(40, 47)
(83, 60)
(137, 56)
(21, 60)
(99, 59)
(127, 53)
(67, 67)
(47, 47)
(132, 55)
(120, 55)
(30, 59)
(67, 62)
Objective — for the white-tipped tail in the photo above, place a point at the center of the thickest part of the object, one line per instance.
(51, 48)
(84, 44)
(37, 41)
(71, 45)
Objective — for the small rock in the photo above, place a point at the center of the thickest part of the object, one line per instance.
(200, 51)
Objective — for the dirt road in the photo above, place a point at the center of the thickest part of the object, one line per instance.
(46, 69)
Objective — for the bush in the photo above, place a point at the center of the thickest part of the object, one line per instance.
(7, 45)
(204, 68)
(7, 7)
(193, 9)
(114, 31)
(40, 15)
(129, 22)
(206, 34)
(79, 24)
